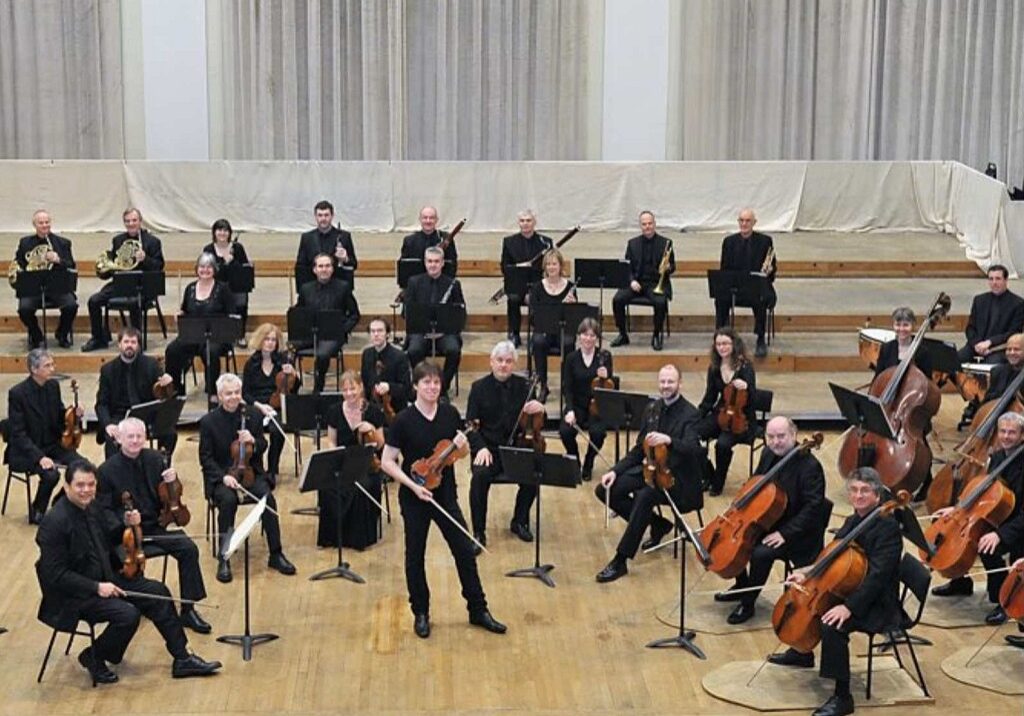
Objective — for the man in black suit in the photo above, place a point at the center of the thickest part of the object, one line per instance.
(798, 534)
(384, 368)
(1005, 373)
(671, 420)
(645, 253)
(326, 239)
(414, 245)
(524, 250)
(150, 257)
(327, 293)
(76, 576)
(748, 250)
(995, 316)
(35, 423)
(58, 257)
(432, 288)
(873, 606)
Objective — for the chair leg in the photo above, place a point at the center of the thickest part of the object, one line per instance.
(160, 316)
(917, 665)
(46, 657)
(871, 643)
(7, 489)
(387, 498)
(163, 575)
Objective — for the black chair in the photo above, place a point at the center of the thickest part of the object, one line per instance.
(644, 301)
(67, 650)
(339, 362)
(124, 304)
(21, 476)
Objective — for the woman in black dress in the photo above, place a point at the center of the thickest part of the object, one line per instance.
(259, 383)
(553, 288)
(578, 372)
(227, 253)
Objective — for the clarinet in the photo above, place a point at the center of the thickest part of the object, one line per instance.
(448, 292)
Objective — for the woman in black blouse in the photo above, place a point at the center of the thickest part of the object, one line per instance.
(258, 383)
(346, 420)
(578, 372)
(203, 297)
(730, 364)
(553, 288)
(229, 253)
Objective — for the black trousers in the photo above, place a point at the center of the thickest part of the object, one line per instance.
(835, 650)
(707, 429)
(480, 486)
(242, 307)
(541, 344)
(514, 313)
(357, 514)
(594, 427)
(633, 500)
(760, 566)
(66, 303)
(276, 440)
(760, 310)
(325, 350)
(227, 502)
(184, 551)
(123, 615)
(178, 357)
(966, 355)
(448, 345)
(48, 479)
(96, 304)
(417, 516)
(625, 296)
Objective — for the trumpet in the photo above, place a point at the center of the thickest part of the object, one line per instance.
(663, 268)
(769, 259)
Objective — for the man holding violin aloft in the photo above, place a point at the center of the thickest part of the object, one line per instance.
(231, 447)
(137, 470)
(669, 421)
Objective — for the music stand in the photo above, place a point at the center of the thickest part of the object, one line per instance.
(518, 279)
(338, 468)
(142, 287)
(620, 410)
(37, 284)
(209, 330)
(304, 412)
(555, 318)
(942, 356)
(743, 288)
(866, 413)
(309, 324)
(435, 319)
(525, 466)
(601, 274)
(405, 269)
(160, 416)
(240, 536)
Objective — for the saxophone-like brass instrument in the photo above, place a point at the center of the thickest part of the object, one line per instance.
(35, 260)
(122, 260)
(766, 266)
(663, 268)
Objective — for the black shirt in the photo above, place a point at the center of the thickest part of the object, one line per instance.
(416, 437)
(415, 245)
(344, 434)
(257, 385)
(496, 404)
(218, 303)
(577, 377)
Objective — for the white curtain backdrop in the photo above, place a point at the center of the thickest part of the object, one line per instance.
(60, 79)
(849, 79)
(391, 79)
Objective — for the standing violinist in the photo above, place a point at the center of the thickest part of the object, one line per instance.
(579, 371)
(1008, 537)
(220, 431)
(798, 534)
(671, 421)
(139, 471)
(385, 368)
(415, 434)
(35, 421)
(496, 403)
(553, 288)
(434, 288)
(872, 606)
(259, 383)
(522, 250)
(732, 369)
(1005, 373)
(229, 253)
(414, 245)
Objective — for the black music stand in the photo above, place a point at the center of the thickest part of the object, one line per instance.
(742, 288)
(525, 466)
(601, 274)
(338, 468)
(39, 284)
(309, 324)
(621, 411)
(866, 414)
(142, 287)
(209, 330)
(160, 416)
(942, 356)
(435, 319)
(560, 318)
(518, 279)
(305, 412)
(241, 277)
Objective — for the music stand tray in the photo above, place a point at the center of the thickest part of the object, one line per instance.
(309, 324)
(601, 273)
(942, 355)
(443, 318)
(215, 329)
(32, 284)
(160, 416)
(518, 279)
(561, 318)
(621, 411)
(862, 411)
(304, 412)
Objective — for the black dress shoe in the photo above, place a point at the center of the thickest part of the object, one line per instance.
(742, 613)
(620, 340)
(96, 667)
(94, 345)
(714, 491)
(516, 340)
(996, 617)
(761, 350)
(961, 587)
(481, 537)
(792, 657)
(613, 570)
(657, 343)
(728, 595)
(193, 665)
(279, 562)
(544, 393)
(192, 620)
(586, 472)
(522, 531)
(835, 706)
(485, 620)
(223, 571)
(64, 341)
(1015, 640)
(421, 625)
(35, 516)
(658, 531)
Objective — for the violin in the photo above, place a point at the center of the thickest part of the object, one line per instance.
(284, 383)
(172, 509)
(655, 464)
(1011, 595)
(385, 400)
(241, 458)
(373, 438)
(730, 538)
(134, 558)
(71, 437)
(603, 360)
(837, 573)
(428, 471)
(529, 428)
(910, 399)
(164, 392)
(732, 417)
(986, 503)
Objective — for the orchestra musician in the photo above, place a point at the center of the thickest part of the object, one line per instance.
(259, 383)
(1008, 538)
(730, 366)
(78, 581)
(651, 262)
(892, 352)
(56, 256)
(579, 369)
(749, 250)
(522, 250)
(35, 414)
(138, 470)
(432, 288)
(669, 420)
(870, 607)
(553, 288)
(349, 422)
(384, 368)
(327, 293)
(149, 256)
(416, 243)
(125, 381)
(495, 403)
(415, 434)
(218, 429)
(1003, 374)
(227, 253)
(1015, 639)
(994, 317)
(203, 298)
(326, 239)
(798, 534)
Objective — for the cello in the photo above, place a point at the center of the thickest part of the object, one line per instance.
(759, 504)
(909, 399)
(1011, 594)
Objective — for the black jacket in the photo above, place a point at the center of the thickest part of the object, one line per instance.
(36, 420)
(414, 246)
(1011, 531)
(1000, 379)
(151, 246)
(396, 373)
(118, 475)
(257, 385)
(804, 521)
(217, 430)
(420, 290)
(737, 256)
(314, 242)
(112, 401)
(496, 405)
(335, 295)
(648, 276)
(889, 356)
(1008, 320)
(876, 602)
(60, 245)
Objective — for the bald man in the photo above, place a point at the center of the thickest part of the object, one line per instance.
(414, 245)
(747, 250)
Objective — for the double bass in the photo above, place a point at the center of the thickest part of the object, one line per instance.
(909, 399)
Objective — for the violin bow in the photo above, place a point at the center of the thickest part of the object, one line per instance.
(458, 524)
(607, 492)
(251, 496)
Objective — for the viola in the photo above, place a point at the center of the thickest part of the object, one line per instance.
(603, 360)
(985, 504)
(71, 437)
(241, 458)
(373, 438)
(837, 573)
(655, 465)
(284, 383)
(131, 539)
(529, 427)
(732, 417)
(172, 509)
(731, 537)
(385, 400)
(1011, 595)
(163, 392)
(428, 471)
